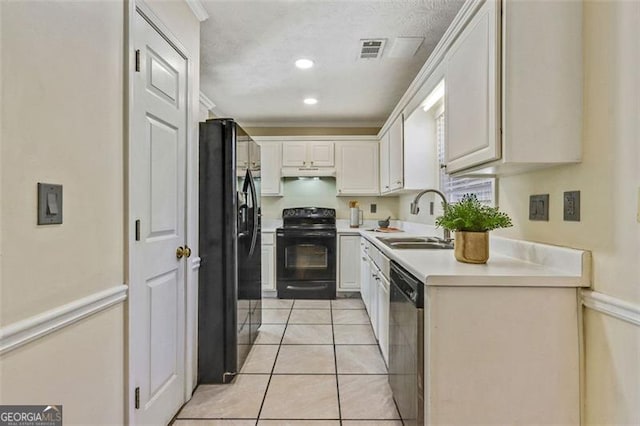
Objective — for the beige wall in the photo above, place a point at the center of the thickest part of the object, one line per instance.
(80, 367)
(311, 131)
(322, 193)
(424, 216)
(609, 181)
(62, 122)
(62, 116)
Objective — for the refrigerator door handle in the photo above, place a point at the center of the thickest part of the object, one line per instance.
(254, 202)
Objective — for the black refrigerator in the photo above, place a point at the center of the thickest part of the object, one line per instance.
(230, 288)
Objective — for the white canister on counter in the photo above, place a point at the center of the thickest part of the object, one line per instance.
(356, 217)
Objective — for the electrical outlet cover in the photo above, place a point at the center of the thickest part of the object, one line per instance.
(571, 206)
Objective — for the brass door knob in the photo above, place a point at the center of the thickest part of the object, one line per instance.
(187, 251)
(180, 252)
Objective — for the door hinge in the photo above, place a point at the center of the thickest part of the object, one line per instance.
(137, 60)
(137, 401)
(138, 230)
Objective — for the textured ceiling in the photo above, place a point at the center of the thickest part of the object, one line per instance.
(248, 50)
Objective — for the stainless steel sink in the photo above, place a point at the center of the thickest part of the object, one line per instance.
(416, 243)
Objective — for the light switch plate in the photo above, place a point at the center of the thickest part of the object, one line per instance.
(374, 208)
(49, 204)
(539, 207)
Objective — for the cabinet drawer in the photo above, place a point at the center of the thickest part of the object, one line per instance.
(268, 238)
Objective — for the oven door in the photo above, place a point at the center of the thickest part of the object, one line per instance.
(306, 255)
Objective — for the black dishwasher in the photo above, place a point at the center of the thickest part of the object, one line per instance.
(406, 344)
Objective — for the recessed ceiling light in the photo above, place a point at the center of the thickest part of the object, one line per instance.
(310, 101)
(304, 64)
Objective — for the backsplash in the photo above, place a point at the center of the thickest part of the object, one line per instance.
(404, 208)
(321, 192)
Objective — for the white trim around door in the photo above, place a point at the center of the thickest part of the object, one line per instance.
(191, 201)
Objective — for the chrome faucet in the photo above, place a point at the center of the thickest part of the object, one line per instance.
(415, 209)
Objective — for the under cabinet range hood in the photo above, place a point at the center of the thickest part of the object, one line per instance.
(308, 172)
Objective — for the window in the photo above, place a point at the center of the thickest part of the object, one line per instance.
(454, 188)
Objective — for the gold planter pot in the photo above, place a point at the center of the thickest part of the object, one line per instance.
(472, 247)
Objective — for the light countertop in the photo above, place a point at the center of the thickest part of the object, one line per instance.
(512, 263)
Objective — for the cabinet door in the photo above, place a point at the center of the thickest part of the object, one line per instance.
(242, 155)
(268, 268)
(365, 280)
(396, 154)
(271, 172)
(349, 278)
(383, 317)
(373, 297)
(471, 93)
(384, 164)
(320, 154)
(255, 157)
(294, 154)
(357, 171)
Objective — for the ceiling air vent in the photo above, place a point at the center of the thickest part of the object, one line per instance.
(371, 49)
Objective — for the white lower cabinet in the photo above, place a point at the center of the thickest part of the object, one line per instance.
(373, 296)
(374, 288)
(365, 275)
(268, 261)
(349, 267)
(383, 316)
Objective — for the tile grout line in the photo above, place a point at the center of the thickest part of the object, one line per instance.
(273, 367)
(335, 361)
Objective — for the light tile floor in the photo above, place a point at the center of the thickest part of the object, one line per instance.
(315, 363)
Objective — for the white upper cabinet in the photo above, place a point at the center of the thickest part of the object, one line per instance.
(308, 154)
(384, 164)
(471, 96)
(320, 154)
(357, 168)
(294, 154)
(392, 158)
(271, 177)
(537, 120)
(396, 154)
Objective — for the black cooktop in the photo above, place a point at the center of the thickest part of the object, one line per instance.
(309, 218)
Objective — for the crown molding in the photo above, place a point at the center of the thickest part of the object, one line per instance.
(208, 103)
(198, 10)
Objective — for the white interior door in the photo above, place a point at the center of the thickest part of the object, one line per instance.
(157, 185)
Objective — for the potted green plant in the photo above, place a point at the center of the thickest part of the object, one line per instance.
(471, 220)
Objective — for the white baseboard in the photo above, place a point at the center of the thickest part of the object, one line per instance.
(612, 306)
(19, 333)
